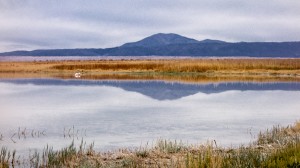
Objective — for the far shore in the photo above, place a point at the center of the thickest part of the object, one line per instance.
(97, 58)
(175, 69)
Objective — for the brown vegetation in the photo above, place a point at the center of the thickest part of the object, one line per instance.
(173, 70)
(188, 65)
(277, 147)
(171, 66)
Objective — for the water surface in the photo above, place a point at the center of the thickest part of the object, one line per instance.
(115, 114)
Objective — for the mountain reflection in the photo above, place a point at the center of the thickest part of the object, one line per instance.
(161, 90)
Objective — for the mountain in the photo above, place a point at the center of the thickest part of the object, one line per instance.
(211, 41)
(176, 45)
(161, 39)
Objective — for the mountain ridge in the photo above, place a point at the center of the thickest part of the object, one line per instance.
(161, 39)
(171, 44)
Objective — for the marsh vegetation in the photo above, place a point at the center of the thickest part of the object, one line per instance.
(276, 147)
(212, 66)
(185, 65)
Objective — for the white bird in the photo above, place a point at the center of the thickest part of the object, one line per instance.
(77, 75)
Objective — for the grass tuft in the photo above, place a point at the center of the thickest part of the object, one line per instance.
(169, 146)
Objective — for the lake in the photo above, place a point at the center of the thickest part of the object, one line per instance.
(114, 114)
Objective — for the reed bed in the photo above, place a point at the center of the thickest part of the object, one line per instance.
(277, 147)
(224, 66)
(185, 65)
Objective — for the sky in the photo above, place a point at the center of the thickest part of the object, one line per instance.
(49, 24)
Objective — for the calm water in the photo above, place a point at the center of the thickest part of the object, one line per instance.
(116, 114)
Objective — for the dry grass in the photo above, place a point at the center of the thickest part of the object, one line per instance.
(278, 147)
(175, 70)
(283, 150)
(185, 65)
(218, 66)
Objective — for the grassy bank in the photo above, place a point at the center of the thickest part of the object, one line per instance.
(172, 70)
(277, 147)
(204, 66)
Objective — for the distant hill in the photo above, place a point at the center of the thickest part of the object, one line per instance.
(176, 45)
(211, 41)
(161, 39)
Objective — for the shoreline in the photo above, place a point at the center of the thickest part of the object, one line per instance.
(278, 146)
(156, 68)
(169, 78)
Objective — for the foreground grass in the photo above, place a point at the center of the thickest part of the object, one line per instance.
(278, 147)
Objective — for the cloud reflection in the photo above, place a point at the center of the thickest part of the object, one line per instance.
(116, 117)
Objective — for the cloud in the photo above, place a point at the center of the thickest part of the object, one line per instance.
(33, 24)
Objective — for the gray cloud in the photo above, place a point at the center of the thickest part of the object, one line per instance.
(33, 24)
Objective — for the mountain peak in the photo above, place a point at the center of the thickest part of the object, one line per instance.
(211, 41)
(160, 39)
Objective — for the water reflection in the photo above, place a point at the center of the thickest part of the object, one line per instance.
(126, 113)
(162, 90)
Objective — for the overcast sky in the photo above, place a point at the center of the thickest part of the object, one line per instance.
(45, 24)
